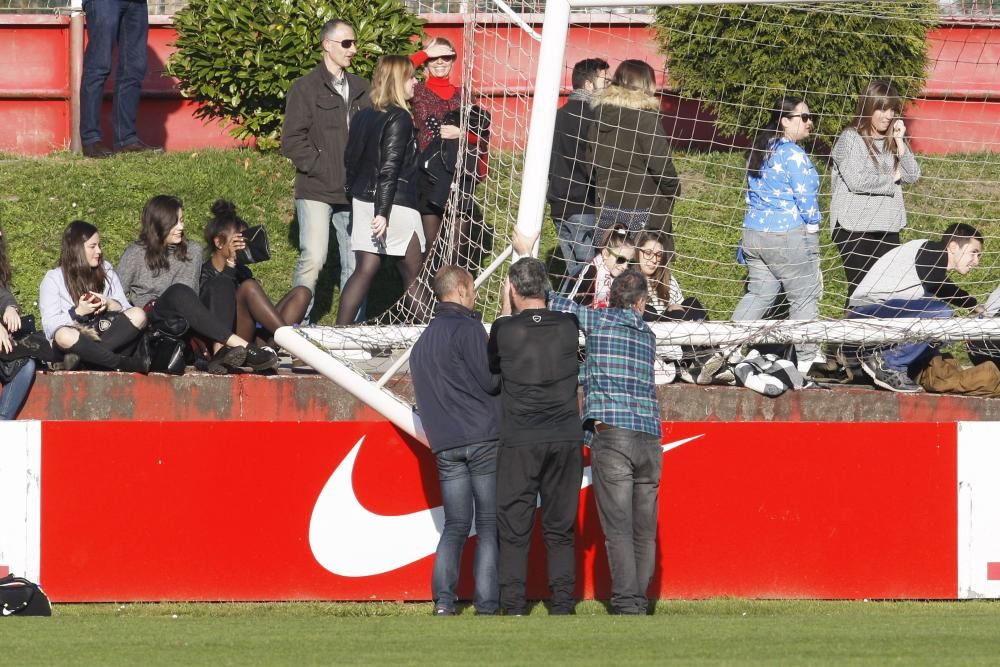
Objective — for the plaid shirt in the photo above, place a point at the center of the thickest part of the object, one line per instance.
(618, 373)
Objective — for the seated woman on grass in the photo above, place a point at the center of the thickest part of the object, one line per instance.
(161, 272)
(229, 290)
(85, 312)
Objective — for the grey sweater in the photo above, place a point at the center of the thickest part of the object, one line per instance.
(142, 285)
(866, 197)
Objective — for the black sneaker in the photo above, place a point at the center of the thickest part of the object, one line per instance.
(227, 360)
(888, 378)
(260, 358)
(443, 611)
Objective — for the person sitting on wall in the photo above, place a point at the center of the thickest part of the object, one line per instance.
(85, 312)
(912, 281)
(228, 287)
(160, 272)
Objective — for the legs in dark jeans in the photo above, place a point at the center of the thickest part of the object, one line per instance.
(553, 471)
(902, 356)
(14, 393)
(468, 488)
(125, 22)
(626, 466)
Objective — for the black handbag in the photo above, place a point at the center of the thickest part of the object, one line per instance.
(166, 353)
(258, 248)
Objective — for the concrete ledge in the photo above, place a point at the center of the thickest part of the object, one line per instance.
(292, 397)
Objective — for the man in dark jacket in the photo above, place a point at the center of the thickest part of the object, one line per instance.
(457, 400)
(571, 188)
(319, 108)
(541, 455)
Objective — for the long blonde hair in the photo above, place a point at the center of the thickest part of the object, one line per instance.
(389, 81)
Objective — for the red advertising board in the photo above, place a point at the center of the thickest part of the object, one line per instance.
(284, 511)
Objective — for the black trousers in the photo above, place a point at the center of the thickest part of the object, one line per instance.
(552, 470)
(860, 250)
(180, 302)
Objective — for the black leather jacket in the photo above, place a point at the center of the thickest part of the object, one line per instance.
(381, 159)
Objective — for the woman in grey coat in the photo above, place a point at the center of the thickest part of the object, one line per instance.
(871, 159)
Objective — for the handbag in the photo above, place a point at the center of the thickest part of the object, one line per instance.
(166, 352)
(258, 249)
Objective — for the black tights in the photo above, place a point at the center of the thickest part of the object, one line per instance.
(366, 268)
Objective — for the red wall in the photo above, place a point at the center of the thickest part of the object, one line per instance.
(959, 111)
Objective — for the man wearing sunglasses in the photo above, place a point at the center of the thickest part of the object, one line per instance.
(317, 114)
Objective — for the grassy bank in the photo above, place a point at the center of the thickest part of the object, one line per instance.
(39, 196)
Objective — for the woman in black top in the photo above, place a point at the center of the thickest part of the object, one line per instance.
(229, 289)
(381, 162)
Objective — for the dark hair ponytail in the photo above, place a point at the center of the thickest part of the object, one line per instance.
(763, 143)
(225, 222)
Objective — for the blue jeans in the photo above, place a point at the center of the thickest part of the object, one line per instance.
(576, 242)
(14, 393)
(111, 22)
(899, 357)
(315, 218)
(626, 466)
(468, 488)
(782, 261)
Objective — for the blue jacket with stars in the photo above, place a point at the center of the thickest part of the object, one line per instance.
(784, 196)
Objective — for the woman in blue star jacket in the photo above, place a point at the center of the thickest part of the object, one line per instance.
(781, 226)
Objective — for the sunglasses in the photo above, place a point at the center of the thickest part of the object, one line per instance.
(806, 117)
(344, 43)
(450, 58)
(619, 259)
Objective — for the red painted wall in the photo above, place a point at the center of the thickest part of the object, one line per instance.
(210, 511)
(959, 112)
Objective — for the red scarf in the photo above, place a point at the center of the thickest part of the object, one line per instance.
(440, 86)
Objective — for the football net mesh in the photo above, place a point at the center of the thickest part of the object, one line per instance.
(953, 128)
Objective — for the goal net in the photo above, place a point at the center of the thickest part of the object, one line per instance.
(720, 71)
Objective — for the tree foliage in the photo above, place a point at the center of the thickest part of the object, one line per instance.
(740, 59)
(237, 58)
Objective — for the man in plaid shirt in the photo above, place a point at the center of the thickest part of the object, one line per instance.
(622, 421)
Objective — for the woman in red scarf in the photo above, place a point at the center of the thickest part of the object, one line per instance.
(432, 100)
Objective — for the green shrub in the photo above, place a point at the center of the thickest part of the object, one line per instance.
(237, 58)
(739, 60)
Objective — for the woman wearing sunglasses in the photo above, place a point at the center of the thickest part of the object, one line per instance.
(870, 160)
(593, 285)
(434, 99)
(781, 226)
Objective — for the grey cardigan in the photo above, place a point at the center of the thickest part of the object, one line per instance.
(865, 196)
(143, 285)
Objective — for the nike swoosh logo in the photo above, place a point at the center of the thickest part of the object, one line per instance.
(7, 612)
(350, 541)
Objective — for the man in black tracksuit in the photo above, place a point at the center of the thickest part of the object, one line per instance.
(459, 408)
(535, 352)
(571, 187)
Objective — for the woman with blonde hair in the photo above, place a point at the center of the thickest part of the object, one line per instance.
(381, 162)
(436, 101)
(871, 159)
(636, 182)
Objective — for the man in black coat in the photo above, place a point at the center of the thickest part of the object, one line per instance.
(319, 108)
(457, 399)
(571, 189)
